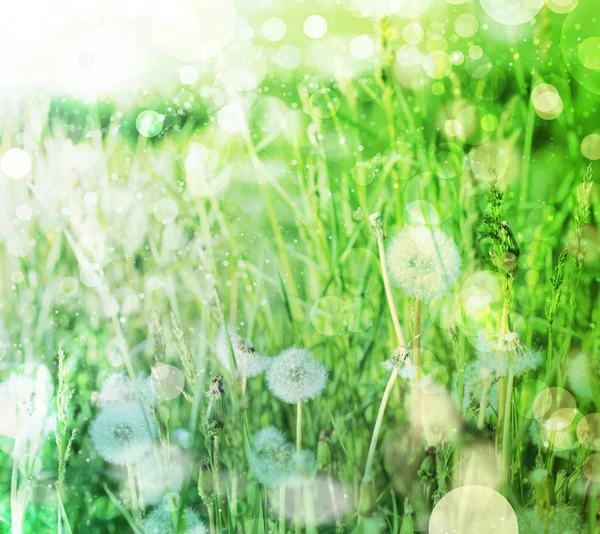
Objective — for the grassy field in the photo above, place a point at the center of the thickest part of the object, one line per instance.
(410, 206)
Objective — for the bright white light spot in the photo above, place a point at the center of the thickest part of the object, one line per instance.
(90, 198)
(315, 26)
(288, 57)
(413, 33)
(24, 212)
(274, 29)
(188, 74)
(166, 210)
(362, 47)
(231, 118)
(15, 163)
(437, 65)
(453, 128)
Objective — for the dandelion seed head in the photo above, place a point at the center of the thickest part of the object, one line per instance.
(119, 388)
(502, 352)
(275, 462)
(423, 262)
(161, 521)
(155, 481)
(23, 409)
(248, 361)
(122, 433)
(272, 457)
(295, 376)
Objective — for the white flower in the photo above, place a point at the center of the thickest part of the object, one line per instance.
(154, 481)
(272, 457)
(122, 433)
(424, 263)
(118, 387)
(275, 462)
(24, 410)
(248, 362)
(295, 376)
(505, 351)
(162, 521)
(400, 360)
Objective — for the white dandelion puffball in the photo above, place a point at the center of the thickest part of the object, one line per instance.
(248, 361)
(423, 262)
(161, 521)
(505, 351)
(295, 376)
(272, 457)
(23, 408)
(118, 387)
(122, 433)
(155, 480)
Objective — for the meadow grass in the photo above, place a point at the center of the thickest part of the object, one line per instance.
(135, 257)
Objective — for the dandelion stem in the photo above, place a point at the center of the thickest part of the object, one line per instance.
(483, 400)
(282, 510)
(377, 428)
(377, 224)
(388, 286)
(416, 343)
(502, 389)
(14, 486)
(135, 508)
(506, 449)
(299, 426)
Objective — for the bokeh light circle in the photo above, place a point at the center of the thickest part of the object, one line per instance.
(547, 101)
(15, 163)
(447, 160)
(149, 123)
(588, 431)
(327, 315)
(473, 510)
(437, 65)
(428, 186)
(512, 12)
(315, 26)
(166, 210)
(562, 6)
(168, 381)
(591, 467)
(580, 44)
(554, 406)
(590, 146)
(488, 161)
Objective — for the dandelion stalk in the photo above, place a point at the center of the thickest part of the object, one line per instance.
(299, 426)
(416, 342)
(377, 224)
(135, 507)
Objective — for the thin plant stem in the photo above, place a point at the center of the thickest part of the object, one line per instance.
(135, 508)
(506, 449)
(502, 386)
(483, 400)
(378, 227)
(282, 510)
(298, 526)
(377, 428)
(15, 512)
(416, 343)
(299, 426)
